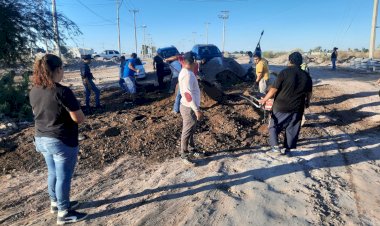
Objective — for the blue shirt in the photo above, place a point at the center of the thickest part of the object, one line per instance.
(127, 71)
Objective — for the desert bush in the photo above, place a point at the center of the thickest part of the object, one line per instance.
(14, 100)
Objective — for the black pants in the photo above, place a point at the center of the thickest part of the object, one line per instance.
(290, 122)
(160, 78)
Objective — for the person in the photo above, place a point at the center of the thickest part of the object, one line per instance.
(88, 83)
(158, 65)
(175, 67)
(57, 114)
(181, 60)
(190, 107)
(121, 71)
(334, 56)
(262, 73)
(292, 92)
(129, 84)
(250, 55)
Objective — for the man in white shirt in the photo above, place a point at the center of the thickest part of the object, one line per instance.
(190, 107)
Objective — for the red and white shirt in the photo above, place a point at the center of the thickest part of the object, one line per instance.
(188, 85)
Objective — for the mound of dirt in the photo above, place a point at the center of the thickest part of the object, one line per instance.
(149, 130)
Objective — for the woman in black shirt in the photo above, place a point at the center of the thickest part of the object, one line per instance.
(57, 114)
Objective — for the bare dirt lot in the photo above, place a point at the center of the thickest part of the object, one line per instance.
(128, 172)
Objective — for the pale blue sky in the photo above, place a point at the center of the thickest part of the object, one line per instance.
(288, 24)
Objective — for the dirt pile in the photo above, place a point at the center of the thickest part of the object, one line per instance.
(150, 130)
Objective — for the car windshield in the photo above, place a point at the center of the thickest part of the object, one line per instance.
(165, 53)
(209, 51)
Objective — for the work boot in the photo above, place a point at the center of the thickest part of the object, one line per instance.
(70, 216)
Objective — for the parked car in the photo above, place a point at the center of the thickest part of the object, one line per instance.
(107, 55)
(206, 52)
(167, 52)
(215, 68)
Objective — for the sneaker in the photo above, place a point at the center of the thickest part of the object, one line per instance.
(287, 152)
(73, 205)
(197, 154)
(187, 161)
(275, 150)
(70, 216)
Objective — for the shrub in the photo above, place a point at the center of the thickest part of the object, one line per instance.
(14, 99)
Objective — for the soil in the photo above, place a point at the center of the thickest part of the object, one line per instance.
(150, 130)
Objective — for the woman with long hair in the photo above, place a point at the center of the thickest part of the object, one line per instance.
(57, 114)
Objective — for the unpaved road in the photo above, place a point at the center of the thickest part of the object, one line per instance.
(331, 179)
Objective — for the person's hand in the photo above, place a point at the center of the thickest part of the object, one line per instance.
(262, 101)
(199, 115)
(307, 104)
(378, 82)
(137, 71)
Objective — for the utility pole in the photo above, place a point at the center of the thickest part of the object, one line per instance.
(224, 16)
(207, 23)
(134, 11)
(118, 23)
(55, 25)
(194, 35)
(144, 45)
(373, 29)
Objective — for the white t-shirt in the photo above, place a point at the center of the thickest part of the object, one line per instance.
(188, 85)
(175, 67)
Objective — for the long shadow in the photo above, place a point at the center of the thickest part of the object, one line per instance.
(224, 182)
(344, 97)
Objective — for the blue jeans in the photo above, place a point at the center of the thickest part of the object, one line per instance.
(128, 84)
(333, 61)
(60, 160)
(88, 86)
(177, 101)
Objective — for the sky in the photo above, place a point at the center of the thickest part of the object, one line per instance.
(287, 24)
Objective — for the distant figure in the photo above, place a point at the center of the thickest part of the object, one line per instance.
(292, 92)
(158, 65)
(262, 73)
(250, 55)
(88, 83)
(334, 56)
(57, 114)
(129, 84)
(121, 71)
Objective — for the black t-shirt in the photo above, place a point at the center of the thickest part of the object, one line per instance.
(292, 86)
(51, 108)
(159, 63)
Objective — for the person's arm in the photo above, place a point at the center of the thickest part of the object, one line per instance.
(71, 104)
(172, 58)
(271, 93)
(308, 98)
(77, 116)
(132, 67)
(154, 63)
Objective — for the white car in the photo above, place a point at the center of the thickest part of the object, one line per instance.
(107, 55)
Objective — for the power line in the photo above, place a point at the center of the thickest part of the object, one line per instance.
(93, 12)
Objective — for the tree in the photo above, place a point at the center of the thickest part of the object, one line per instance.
(318, 49)
(25, 23)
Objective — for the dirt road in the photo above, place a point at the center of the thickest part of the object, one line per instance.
(331, 179)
